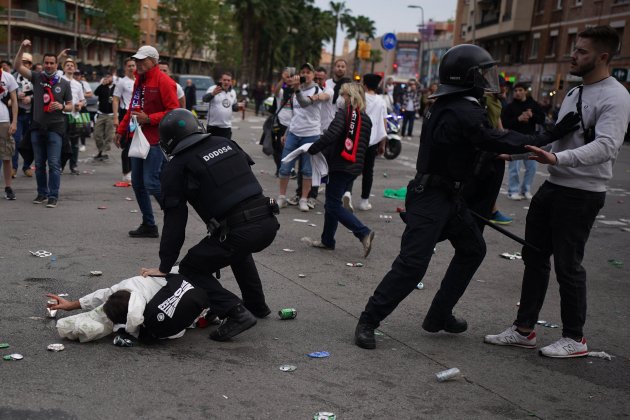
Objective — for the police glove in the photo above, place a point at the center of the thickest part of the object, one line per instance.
(568, 124)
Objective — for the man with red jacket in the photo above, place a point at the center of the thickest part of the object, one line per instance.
(153, 97)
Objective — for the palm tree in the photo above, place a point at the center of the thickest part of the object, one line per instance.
(360, 28)
(376, 56)
(340, 13)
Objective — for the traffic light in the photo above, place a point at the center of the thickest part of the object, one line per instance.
(357, 78)
(395, 67)
(364, 50)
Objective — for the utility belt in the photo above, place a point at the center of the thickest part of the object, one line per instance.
(423, 181)
(250, 211)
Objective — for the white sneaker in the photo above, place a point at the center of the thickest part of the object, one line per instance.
(347, 201)
(565, 347)
(282, 201)
(303, 204)
(82, 148)
(528, 195)
(293, 201)
(311, 203)
(511, 337)
(127, 177)
(364, 205)
(515, 197)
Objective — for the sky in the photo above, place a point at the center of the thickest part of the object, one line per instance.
(394, 15)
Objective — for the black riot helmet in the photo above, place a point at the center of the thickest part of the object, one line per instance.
(180, 129)
(467, 67)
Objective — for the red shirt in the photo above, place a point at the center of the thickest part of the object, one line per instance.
(160, 97)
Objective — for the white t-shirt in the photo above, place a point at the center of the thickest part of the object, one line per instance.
(306, 121)
(24, 86)
(8, 84)
(86, 87)
(77, 90)
(220, 108)
(328, 109)
(123, 90)
(376, 109)
(286, 113)
(180, 90)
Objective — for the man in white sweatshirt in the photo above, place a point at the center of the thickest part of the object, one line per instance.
(563, 210)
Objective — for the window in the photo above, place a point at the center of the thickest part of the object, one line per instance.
(578, 2)
(533, 52)
(559, 4)
(552, 45)
(540, 7)
(571, 43)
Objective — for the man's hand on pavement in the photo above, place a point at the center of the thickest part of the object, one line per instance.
(153, 272)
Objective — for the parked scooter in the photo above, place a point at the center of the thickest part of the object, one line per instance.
(393, 146)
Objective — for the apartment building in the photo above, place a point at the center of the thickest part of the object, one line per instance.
(533, 39)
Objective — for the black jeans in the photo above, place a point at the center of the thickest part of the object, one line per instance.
(368, 172)
(276, 143)
(558, 223)
(433, 215)
(210, 255)
(124, 144)
(220, 131)
(408, 120)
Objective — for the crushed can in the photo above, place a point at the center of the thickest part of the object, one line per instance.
(122, 342)
(287, 313)
(445, 375)
(51, 313)
(325, 415)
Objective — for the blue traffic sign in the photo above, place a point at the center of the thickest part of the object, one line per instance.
(388, 41)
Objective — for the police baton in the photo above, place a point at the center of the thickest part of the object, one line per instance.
(504, 232)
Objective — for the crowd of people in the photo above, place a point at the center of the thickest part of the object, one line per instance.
(341, 124)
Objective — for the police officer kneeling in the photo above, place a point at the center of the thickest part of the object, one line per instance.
(213, 174)
(453, 134)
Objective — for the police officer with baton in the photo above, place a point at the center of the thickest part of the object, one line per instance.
(455, 132)
(213, 174)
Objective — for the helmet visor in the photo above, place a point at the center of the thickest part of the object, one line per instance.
(490, 79)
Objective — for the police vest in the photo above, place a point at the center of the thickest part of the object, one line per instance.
(219, 177)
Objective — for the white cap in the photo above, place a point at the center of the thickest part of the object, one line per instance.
(146, 51)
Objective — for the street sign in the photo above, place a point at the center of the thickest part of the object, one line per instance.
(388, 41)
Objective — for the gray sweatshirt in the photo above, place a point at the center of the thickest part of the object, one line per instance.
(606, 106)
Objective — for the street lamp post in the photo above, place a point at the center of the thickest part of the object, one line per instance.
(421, 60)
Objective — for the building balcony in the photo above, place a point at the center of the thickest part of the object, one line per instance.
(32, 20)
(500, 22)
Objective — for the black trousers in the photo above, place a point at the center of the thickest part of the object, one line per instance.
(210, 255)
(408, 119)
(220, 131)
(124, 144)
(433, 215)
(368, 172)
(276, 143)
(559, 222)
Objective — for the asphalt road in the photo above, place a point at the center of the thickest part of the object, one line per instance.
(195, 377)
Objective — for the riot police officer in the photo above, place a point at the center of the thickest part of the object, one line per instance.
(455, 130)
(213, 174)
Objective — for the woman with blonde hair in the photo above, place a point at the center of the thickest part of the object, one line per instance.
(344, 144)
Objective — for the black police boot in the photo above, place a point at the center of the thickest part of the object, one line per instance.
(450, 325)
(364, 336)
(259, 310)
(238, 320)
(145, 231)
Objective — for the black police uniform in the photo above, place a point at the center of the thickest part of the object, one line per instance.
(215, 177)
(454, 132)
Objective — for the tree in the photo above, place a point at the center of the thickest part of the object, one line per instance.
(340, 12)
(376, 56)
(359, 28)
(116, 17)
(190, 29)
